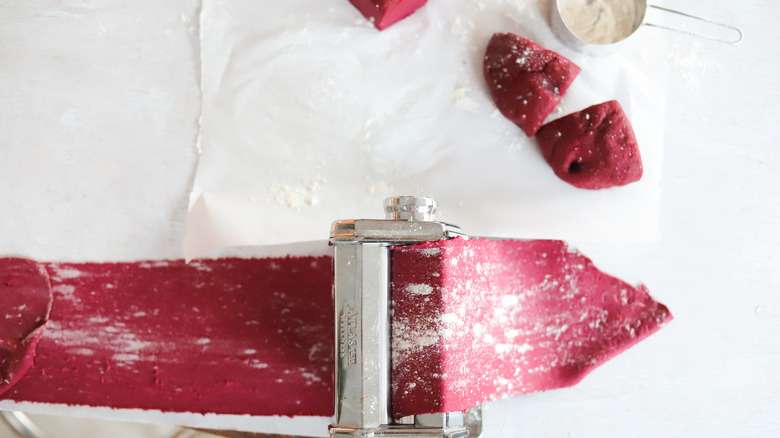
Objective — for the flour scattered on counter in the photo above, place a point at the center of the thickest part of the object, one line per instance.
(297, 197)
(690, 64)
(462, 100)
(462, 29)
(378, 187)
(365, 23)
(513, 142)
(379, 118)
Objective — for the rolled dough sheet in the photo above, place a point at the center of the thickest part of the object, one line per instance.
(487, 320)
(311, 115)
(228, 336)
(254, 337)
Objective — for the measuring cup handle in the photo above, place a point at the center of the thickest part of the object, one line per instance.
(696, 34)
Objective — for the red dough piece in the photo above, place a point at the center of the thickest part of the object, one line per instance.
(477, 320)
(234, 336)
(525, 80)
(594, 148)
(25, 302)
(384, 13)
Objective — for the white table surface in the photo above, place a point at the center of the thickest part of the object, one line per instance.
(98, 122)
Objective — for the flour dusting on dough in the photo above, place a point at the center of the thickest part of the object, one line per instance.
(508, 317)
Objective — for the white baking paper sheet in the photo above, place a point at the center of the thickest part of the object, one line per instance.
(312, 115)
(296, 426)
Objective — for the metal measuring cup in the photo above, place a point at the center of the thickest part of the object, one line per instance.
(567, 33)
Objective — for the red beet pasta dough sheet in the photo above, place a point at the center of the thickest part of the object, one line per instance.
(255, 336)
(222, 336)
(477, 320)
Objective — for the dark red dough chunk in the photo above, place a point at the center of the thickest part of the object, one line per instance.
(386, 12)
(592, 149)
(525, 80)
(25, 302)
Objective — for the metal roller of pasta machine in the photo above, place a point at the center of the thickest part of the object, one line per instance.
(363, 300)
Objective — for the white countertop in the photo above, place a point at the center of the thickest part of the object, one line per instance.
(98, 123)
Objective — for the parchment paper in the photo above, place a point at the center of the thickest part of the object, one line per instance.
(312, 115)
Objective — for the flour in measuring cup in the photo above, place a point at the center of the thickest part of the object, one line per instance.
(599, 21)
